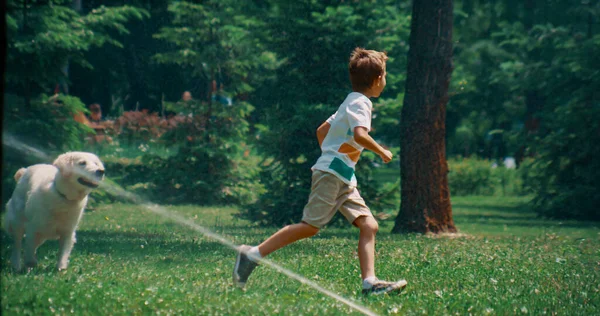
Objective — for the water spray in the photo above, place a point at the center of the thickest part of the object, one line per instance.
(157, 209)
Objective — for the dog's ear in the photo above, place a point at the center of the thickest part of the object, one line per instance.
(19, 174)
(64, 163)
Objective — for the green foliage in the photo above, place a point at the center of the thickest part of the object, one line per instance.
(476, 176)
(470, 176)
(463, 141)
(315, 40)
(211, 162)
(564, 171)
(220, 41)
(128, 260)
(565, 175)
(520, 71)
(287, 175)
(47, 122)
(526, 71)
(212, 42)
(292, 148)
(513, 63)
(386, 120)
(43, 38)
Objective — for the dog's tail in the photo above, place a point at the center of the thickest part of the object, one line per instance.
(19, 174)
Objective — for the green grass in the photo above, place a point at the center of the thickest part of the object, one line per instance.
(128, 261)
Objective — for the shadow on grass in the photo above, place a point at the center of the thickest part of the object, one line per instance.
(156, 247)
(519, 208)
(498, 220)
(518, 214)
(143, 243)
(488, 213)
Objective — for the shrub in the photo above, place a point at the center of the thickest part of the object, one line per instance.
(564, 176)
(211, 164)
(55, 133)
(470, 176)
(135, 127)
(475, 176)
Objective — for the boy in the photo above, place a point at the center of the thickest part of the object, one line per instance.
(342, 138)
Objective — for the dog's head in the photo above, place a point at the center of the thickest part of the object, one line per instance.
(83, 169)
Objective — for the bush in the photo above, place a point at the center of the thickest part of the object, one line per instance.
(564, 176)
(470, 176)
(475, 176)
(211, 163)
(140, 126)
(57, 132)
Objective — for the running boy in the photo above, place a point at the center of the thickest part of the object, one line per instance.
(342, 138)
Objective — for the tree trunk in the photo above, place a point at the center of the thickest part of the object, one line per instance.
(534, 101)
(425, 205)
(64, 81)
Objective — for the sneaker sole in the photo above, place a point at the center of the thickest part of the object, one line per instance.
(390, 290)
(236, 277)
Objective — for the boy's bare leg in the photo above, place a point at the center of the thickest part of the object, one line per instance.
(247, 256)
(366, 245)
(286, 236)
(366, 255)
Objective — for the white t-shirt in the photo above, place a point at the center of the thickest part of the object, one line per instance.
(340, 152)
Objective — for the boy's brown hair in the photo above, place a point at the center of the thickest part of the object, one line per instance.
(365, 66)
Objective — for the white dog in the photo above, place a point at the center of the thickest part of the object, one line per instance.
(48, 202)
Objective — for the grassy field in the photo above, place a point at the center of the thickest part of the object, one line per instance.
(129, 261)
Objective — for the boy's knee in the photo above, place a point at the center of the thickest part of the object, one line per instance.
(310, 230)
(367, 224)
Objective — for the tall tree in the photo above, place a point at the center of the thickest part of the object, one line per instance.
(42, 37)
(425, 198)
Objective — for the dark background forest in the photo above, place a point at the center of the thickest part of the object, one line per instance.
(260, 76)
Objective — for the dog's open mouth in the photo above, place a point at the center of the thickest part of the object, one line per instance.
(87, 183)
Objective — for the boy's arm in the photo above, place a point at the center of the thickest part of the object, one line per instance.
(362, 137)
(322, 132)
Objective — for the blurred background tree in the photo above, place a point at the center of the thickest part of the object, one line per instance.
(43, 37)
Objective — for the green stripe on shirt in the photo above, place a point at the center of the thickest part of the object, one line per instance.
(341, 168)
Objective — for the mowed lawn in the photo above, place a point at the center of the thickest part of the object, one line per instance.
(130, 261)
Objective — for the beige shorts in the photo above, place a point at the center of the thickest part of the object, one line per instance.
(328, 194)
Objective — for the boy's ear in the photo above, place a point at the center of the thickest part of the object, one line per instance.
(377, 81)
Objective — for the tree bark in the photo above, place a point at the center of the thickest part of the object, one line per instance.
(425, 199)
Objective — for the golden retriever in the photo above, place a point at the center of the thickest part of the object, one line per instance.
(48, 203)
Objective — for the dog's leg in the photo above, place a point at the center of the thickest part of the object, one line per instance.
(66, 242)
(32, 242)
(16, 230)
(15, 258)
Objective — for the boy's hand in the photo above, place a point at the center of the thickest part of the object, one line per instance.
(362, 137)
(386, 155)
